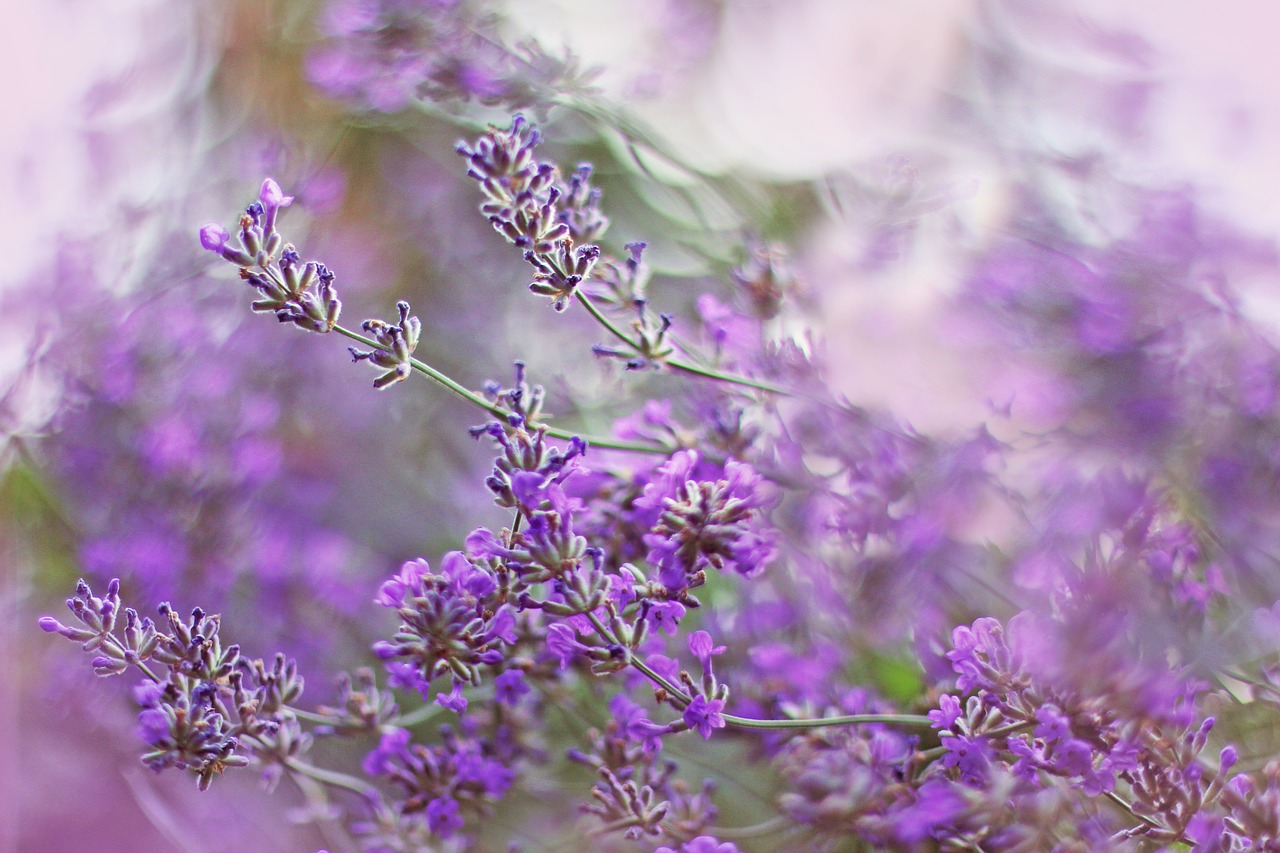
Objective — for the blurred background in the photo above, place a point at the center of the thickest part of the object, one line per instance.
(156, 431)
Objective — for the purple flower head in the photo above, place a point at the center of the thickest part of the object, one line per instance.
(449, 622)
(666, 615)
(1051, 723)
(502, 626)
(467, 579)
(563, 644)
(148, 693)
(944, 719)
(972, 757)
(444, 817)
(706, 523)
(481, 543)
(703, 648)
(935, 805)
(405, 584)
(153, 726)
(393, 745)
(977, 653)
(272, 197)
(490, 775)
(510, 686)
(1072, 757)
(704, 715)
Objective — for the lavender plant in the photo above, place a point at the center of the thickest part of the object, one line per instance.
(751, 569)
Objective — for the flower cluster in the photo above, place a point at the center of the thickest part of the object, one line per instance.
(212, 707)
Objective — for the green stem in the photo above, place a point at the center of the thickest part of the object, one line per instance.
(310, 717)
(421, 714)
(676, 364)
(329, 777)
(603, 320)
(710, 372)
(731, 833)
(314, 793)
(682, 698)
(1129, 809)
(746, 382)
(820, 722)
(497, 411)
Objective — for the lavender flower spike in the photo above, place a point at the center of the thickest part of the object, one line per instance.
(395, 346)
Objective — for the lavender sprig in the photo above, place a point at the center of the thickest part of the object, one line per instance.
(303, 294)
(522, 202)
(212, 710)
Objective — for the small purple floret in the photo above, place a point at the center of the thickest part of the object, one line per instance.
(213, 237)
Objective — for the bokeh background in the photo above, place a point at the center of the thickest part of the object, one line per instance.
(154, 430)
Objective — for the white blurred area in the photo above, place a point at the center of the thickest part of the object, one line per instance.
(100, 141)
(796, 89)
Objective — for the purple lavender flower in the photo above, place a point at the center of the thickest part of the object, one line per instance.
(510, 686)
(450, 623)
(704, 524)
(703, 715)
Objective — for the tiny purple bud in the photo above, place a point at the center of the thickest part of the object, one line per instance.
(213, 237)
(510, 686)
(50, 625)
(153, 726)
(272, 197)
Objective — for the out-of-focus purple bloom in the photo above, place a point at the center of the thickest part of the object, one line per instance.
(453, 700)
(563, 644)
(444, 817)
(510, 686)
(702, 844)
(393, 744)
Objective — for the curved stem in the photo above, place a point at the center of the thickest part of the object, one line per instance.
(497, 411)
(600, 317)
(732, 833)
(421, 714)
(746, 382)
(329, 777)
(309, 716)
(120, 649)
(820, 722)
(709, 372)
(683, 698)
(675, 364)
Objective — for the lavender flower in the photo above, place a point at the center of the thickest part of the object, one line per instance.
(396, 344)
(451, 623)
(211, 707)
